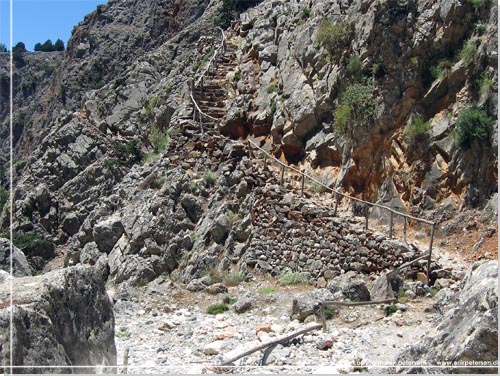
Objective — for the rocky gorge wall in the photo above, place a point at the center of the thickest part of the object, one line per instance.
(95, 188)
(63, 318)
(292, 87)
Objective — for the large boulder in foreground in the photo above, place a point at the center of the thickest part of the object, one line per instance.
(62, 318)
(468, 332)
(20, 266)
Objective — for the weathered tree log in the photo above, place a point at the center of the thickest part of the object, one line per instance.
(271, 343)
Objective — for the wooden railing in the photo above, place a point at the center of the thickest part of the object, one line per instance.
(198, 81)
(366, 204)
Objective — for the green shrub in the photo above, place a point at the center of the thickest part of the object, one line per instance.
(151, 104)
(306, 12)
(418, 130)
(228, 300)
(210, 178)
(390, 309)
(215, 309)
(476, 4)
(484, 81)
(20, 47)
(121, 334)
(227, 13)
(473, 126)
(291, 278)
(332, 36)
(468, 52)
(237, 76)
(48, 69)
(215, 276)
(266, 290)
(342, 116)
(402, 298)
(272, 89)
(233, 279)
(47, 46)
(356, 108)
(159, 139)
(329, 313)
(59, 45)
(273, 105)
(32, 244)
(355, 67)
(481, 28)
(437, 71)
(4, 198)
(128, 152)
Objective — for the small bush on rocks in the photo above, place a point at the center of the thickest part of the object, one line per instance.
(215, 309)
(356, 108)
(228, 300)
(210, 178)
(266, 290)
(215, 276)
(468, 52)
(390, 309)
(334, 36)
(417, 131)
(473, 126)
(233, 279)
(291, 278)
(32, 244)
(159, 139)
(121, 334)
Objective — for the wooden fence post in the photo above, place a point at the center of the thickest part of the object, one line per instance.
(390, 224)
(250, 152)
(282, 174)
(404, 230)
(322, 315)
(430, 255)
(125, 361)
(366, 216)
(336, 204)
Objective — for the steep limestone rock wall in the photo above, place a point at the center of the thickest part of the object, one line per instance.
(291, 86)
(468, 332)
(63, 318)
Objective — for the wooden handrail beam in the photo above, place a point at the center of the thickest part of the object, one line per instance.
(271, 343)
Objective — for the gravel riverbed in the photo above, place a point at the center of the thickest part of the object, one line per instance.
(166, 330)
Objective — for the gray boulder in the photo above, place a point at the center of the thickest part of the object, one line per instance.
(386, 286)
(244, 303)
(468, 331)
(20, 266)
(220, 229)
(192, 207)
(63, 318)
(350, 286)
(107, 232)
(307, 304)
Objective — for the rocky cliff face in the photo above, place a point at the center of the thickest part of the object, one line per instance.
(292, 86)
(111, 170)
(468, 333)
(63, 318)
(80, 182)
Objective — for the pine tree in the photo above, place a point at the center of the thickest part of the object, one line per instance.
(59, 45)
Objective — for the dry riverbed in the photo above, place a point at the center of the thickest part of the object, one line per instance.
(166, 330)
